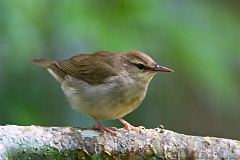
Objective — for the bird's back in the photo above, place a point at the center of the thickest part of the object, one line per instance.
(92, 68)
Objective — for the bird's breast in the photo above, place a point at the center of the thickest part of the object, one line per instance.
(111, 100)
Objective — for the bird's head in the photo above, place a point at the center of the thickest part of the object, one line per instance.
(141, 67)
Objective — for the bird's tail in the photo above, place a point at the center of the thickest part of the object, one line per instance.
(52, 67)
(43, 62)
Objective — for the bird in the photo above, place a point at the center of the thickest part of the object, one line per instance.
(105, 85)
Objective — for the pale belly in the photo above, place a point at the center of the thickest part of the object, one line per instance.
(105, 101)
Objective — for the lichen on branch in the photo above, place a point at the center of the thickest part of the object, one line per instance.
(35, 142)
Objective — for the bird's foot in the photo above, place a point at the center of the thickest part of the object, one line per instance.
(104, 129)
(129, 127)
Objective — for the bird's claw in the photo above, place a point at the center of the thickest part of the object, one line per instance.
(104, 129)
(129, 127)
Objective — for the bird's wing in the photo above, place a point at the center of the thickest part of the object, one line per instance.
(88, 67)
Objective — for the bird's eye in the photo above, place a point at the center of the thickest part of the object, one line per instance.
(140, 66)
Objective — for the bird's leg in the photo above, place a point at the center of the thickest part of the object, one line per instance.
(102, 128)
(128, 126)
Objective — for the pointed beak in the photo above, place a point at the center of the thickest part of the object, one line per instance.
(159, 68)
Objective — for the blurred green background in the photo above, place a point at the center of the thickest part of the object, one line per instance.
(200, 40)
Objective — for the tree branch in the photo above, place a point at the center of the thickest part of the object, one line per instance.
(34, 142)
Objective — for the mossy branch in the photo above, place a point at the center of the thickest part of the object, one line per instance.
(34, 142)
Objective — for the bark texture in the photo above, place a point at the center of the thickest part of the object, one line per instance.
(35, 142)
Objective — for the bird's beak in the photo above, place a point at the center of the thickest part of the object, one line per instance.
(159, 68)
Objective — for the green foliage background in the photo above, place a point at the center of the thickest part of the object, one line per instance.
(198, 39)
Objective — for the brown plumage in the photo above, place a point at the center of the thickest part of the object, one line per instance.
(81, 67)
